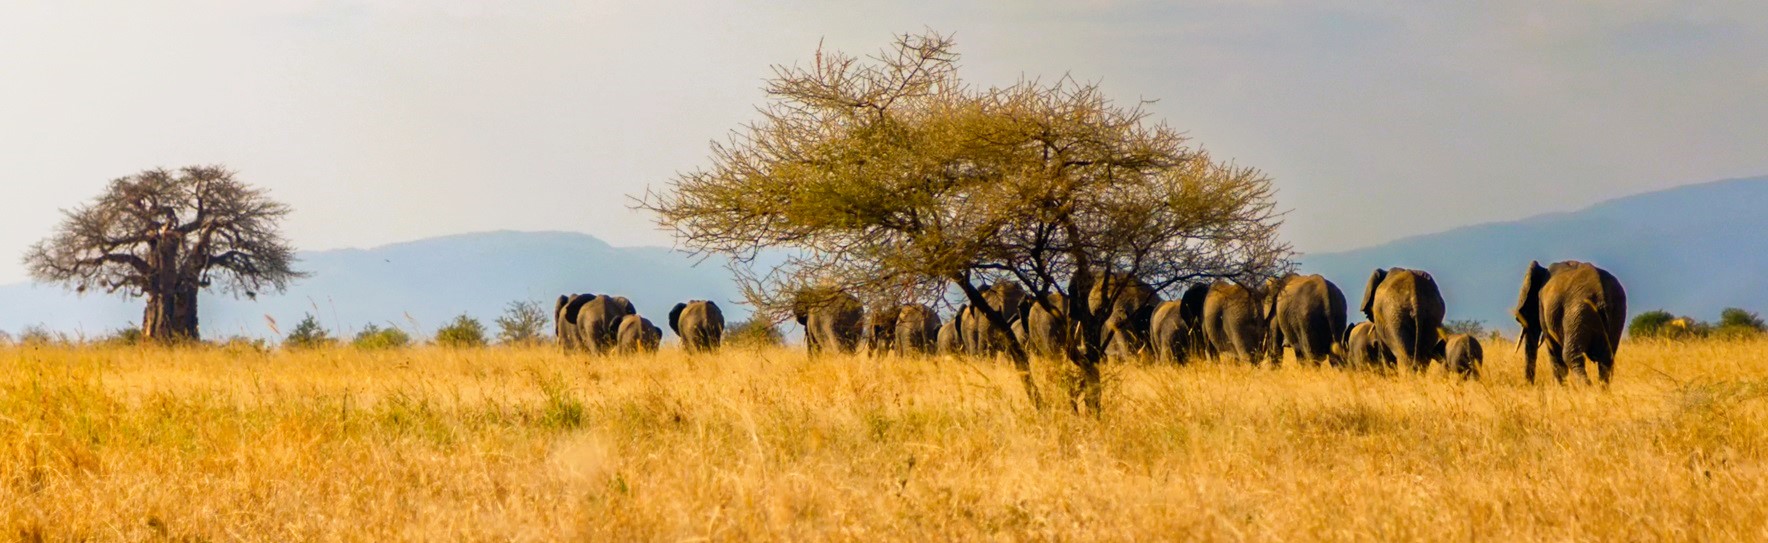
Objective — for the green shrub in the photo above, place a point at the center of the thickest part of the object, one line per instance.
(1650, 324)
(1475, 328)
(462, 332)
(374, 337)
(1733, 317)
(124, 337)
(308, 334)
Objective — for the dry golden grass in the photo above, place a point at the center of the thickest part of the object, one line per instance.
(496, 444)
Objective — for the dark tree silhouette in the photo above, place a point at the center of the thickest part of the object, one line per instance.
(165, 236)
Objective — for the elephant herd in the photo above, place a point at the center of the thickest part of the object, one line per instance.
(604, 324)
(1577, 308)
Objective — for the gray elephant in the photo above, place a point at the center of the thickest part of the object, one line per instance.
(982, 337)
(831, 320)
(590, 322)
(1046, 331)
(637, 335)
(1307, 314)
(699, 323)
(1168, 334)
(917, 330)
(1462, 354)
(1191, 311)
(880, 332)
(1232, 325)
(1364, 350)
(1127, 319)
(950, 340)
(1581, 309)
(1407, 309)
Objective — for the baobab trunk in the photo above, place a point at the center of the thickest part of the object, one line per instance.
(171, 298)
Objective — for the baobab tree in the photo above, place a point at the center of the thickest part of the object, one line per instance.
(893, 180)
(166, 236)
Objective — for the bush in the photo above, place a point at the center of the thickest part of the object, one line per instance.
(1650, 324)
(461, 332)
(124, 337)
(754, 333)
(242, 344)
(308, 334)
(524, 324)
(1733, 317)
(1475, 328)
(374, 337)
(37, 335)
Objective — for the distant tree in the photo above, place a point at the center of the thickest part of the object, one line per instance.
(1475, 328)
(463, 331)
(165, 236)
(895, 181)
(524, 323)
(755, 332)
(1733, 317)
(373, 337)
(308, 334)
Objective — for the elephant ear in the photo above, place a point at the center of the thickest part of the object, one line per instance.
(675, 318)
(1528, 298)
(576, 304)
(1375, 279)
(1272, 287)
(627, 305)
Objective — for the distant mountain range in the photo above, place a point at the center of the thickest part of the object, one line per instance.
(1691, 250)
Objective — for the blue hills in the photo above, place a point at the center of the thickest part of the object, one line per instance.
(1691, 250)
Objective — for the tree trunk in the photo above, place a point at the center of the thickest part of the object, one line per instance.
(1015, 351)
(170, 316)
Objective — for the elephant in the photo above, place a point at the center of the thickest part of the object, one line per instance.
(1407, 309)
(565, 321)
(1580, 308)
(832, 321)
(1307, 313)
(1046, 332)
(699, 323)
(637, 335)
(880, 332)
(1231, 323)
(983, 338)
(1125, 334)
(949, 340)
(917, 329)
(1168, 333)
(1191, 311)
(1462, 354)
(1364, 350)
(589, 322)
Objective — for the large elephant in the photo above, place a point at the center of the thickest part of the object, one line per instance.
(917, 328)
(982, 337)
(637, 335)
(1462, 354)
(832, 321)
(589, 322)
(1364, 349)
(1046, 331)
(880, 330)
(1580, 308)
(1168, 333)
(1127, 316)
(1191, 311)
(699, 323)
(1407, 309)
(1232, 324)
(950, 341)
(1307, 314)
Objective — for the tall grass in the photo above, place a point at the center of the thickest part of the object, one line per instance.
(506, 444)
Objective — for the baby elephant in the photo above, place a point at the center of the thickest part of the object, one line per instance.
(1461, 354)
(638, 335)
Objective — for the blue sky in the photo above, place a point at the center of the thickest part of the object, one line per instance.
(389, 120)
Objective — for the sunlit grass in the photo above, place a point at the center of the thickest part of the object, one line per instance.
(432, 444)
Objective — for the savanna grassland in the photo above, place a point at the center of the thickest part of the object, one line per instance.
(508, 444)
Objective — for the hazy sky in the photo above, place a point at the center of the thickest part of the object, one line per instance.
(389, 120)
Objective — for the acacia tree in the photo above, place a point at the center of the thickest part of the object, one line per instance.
(165, 236)
(893, 180)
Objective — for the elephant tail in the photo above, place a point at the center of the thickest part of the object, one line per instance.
(1601, 310)
(1420, 359)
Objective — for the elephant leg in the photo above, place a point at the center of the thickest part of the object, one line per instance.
(1556, 355)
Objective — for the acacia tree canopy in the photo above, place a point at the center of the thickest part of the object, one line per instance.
(167, 235)
(891, 179)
